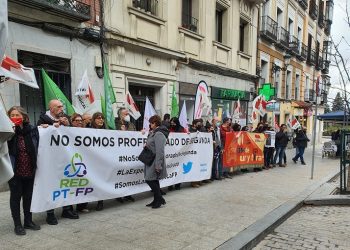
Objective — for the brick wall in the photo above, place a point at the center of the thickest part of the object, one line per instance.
(95, 11)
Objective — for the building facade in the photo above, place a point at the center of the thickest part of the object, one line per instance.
(61, 37)
(293, 54)
(152, 45)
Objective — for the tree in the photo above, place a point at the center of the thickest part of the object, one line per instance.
(338, 103)
(327, 108)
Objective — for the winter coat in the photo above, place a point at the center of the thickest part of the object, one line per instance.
(281, 139)
(31, 140)
(301, 139)
(129, 125)
(45, 119)
(156, 143)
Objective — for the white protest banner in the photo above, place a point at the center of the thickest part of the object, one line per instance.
(95, 164)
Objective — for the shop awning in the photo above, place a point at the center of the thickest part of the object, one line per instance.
(301, 104)
(333, 116)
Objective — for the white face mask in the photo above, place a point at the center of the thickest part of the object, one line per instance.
(127, 118)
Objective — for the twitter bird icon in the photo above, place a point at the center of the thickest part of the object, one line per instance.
(187, 167)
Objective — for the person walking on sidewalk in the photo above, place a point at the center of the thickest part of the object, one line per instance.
(23, 149)
(301, 140)
(156, 143)
(280, 145)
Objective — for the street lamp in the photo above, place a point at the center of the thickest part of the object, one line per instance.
(275, 68)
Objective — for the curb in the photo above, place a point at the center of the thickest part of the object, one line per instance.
(253, 234)
(330, 200)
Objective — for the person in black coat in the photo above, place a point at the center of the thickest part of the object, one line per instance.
(23, 150)
(55, 116)
(281, 143)
(301, 140)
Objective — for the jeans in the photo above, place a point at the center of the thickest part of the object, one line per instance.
(21, 188)
(300, 153)
(216, 171)
(280, 154)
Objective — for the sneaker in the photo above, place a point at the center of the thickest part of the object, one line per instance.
(294, 160)
(303, 163)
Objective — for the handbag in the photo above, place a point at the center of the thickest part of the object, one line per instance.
(147, 156)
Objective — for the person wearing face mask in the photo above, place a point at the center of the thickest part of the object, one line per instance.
(216, 173)
(280, 145)
(175, 127)
(122, 122)
(23, 149)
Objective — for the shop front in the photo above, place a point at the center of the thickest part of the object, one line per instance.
(225, 102)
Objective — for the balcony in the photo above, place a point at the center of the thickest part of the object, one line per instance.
(311, 57)
(302, 55)
(327, 29)
(319, 62)
(189, 22)
(294, 45)
(70, 9)
(268, 29)
(325, 68)
(321, 21)
(310, 95)
(149, 6)
(282, 38)
(313, 10)
(303, 4)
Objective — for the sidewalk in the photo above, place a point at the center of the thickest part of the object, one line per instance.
(193, 218)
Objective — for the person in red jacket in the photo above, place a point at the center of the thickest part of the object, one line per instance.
(224, 128)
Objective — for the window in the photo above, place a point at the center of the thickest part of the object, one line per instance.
(307, 87)
(300, 39)
(290, 27)
(265, 71)
(244, 36)
(189, 21)
(288, 84)
(297, 87)
(218, 25)
(266, 8)
(280, 17)
(278, 83)
(146, 5)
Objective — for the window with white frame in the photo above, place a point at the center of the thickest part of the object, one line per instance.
(244, 37)
(265, 70)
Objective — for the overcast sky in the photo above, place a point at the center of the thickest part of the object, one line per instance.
(340, 30)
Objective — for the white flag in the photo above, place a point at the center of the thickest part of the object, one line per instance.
(3, 27)
(6, 132)
(131, 106)
(293, 123)
(149, 112)
(183, 117)
(84, 95)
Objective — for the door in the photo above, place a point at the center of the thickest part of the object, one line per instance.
(139, 94)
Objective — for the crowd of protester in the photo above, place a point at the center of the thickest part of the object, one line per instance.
(24, 145)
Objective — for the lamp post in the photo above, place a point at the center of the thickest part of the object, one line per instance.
(325, 86)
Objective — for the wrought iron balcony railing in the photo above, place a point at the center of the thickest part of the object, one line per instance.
(327, 29)
(268, 29)
(319, 62)
(325, 68)
(149, 6)
(71, 9)
(303, 4)
(311, 57)
(321, 21)
(313, 10)
(283, 38)
(189, 22)
(302, 55)
(294, 45)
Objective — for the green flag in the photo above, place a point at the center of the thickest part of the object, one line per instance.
(52, 91)
(174, 104)
(109, 99)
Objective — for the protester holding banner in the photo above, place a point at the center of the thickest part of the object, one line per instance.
(98, 122)
(216, 173)
(269, 147)
(122, 122)
(301, 143)
(54, 117)
(23, 150)
(156, 143)
(175, 127)
(225, 128)
(280, 145)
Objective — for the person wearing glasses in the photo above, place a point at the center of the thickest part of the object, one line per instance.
(98, 122)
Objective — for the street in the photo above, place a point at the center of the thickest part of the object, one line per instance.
(193, 218)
